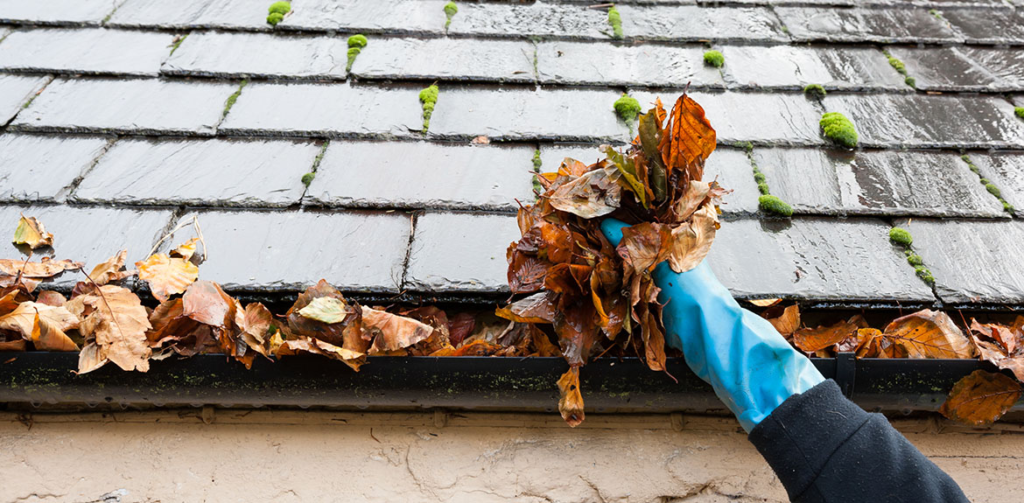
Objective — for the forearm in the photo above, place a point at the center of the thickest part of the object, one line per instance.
(824, 448)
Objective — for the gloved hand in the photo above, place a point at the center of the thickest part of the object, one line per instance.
(750, 366)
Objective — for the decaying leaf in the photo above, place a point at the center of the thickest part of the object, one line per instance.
(111, 270)
(688, 139)
(816, 339)
(981, 398)
(23, 318)
(30, 232)
(570, 403)
(594, 194)
(47, 336)
(167, 275)
(325, 309)
(390, 331)
(786, 321)
(929, 334)
(206, 303)
(537, 308)
(692, 241)
(45, 268)
(117, 324)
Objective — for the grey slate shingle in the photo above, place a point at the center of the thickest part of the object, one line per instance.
(291, 250)
(57, 12)
(423, 175)
(130, 106)
(324, 110)
(460, 252)
(85, 51)
(258, 55)
(983, 26)
(1006, 65)
(571, 21)
(973, 262)
(858, 25)
(793, 67)
(1006, 171)
(883, 183)
(40, 168)
(694, 23)
(446, 59)
(258, 173)
(378, 16)
(15, 91)
(600, 63)
(237, 14)
(945, 69)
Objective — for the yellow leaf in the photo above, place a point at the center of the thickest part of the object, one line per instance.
(30, 232)
(325, 309)
(111, 270)
(47, 336)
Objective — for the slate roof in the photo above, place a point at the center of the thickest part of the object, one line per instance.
(115, 130)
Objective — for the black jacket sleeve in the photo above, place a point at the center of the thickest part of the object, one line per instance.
(826, 449)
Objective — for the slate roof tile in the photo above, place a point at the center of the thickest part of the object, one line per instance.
(378, 16)
(981, 26)
(85, 51)
(692, 23)
(43, 168)
(57, 12)
(946, 69)
(147, 106)
(214, 172)
(570, 21)
(1006, 65)
(15, 92)
(864, 24)
(794, 67)
(618, 65)
(1006, 171)
(443, 242)
(446, 59)
(234, 14)
(239, 55)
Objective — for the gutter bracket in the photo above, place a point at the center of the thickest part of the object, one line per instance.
(846, 373)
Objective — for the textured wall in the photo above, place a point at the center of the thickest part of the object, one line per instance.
(241, 455)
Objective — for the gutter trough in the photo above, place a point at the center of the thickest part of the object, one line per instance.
(466, 383)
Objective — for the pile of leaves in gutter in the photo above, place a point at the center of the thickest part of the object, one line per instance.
(596, 298)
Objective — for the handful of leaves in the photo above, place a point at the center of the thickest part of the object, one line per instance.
(596, 297)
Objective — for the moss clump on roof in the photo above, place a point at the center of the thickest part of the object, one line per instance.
(839, 129)
(1019, 111)
(308, 178)
(428, 97)
(924, 274)
(628, 109)
(910, 81)
(989, 186)
(774, 205)
(615, 20)
(900, 236)
(914, 259)
(355, 46)
(233, 98)
(901, 68)
(714, 58)
(277, 11)
(450, 10)
(814, 91)
(537, 187)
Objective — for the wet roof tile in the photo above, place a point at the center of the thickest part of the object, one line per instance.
(604, 64)
(858, 25)
(236, 55)
(793, 67)
(944, 69)
(446, 59)
(87, 51)
(982, 26)
(15, 92)
(443, 176)
(1006, 171)
(574, 21)
(130, 106)
(42, 168)
(694, 23)
(460, 252)
(391, 16)
(213, 172)
(1007, 65)
(246, 14)
(57, 12)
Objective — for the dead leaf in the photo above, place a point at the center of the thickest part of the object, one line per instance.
(348, 334)
(186, 250)
(981, 398)
(570, 402)
(22, 319)
(786, 322)
(594, 194)
(325, 309)
(118, 324)
(111, 270)
(47, 336)
(691, 241)
(391, 332)
(536, 308)
(815, 339)
(929, 334)
(48, 297)
(30, 232)
(688, 139)
(206, 302)
(167, 275)
(90, 358)
(45, 268)
(765, 302)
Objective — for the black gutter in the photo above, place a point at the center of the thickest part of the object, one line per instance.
(467, 383)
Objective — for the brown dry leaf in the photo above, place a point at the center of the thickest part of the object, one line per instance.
(30, 232)
(537, 308)
(185, 250)
(255, 326)
(765, 302)
(50, 298)
(570, 403)
(929, 334)
(22, 319)
(644, 246)
(816, 339)
(17, 345)
(206, 302)
(688, 138)
(691, 241)
(981, 398)
(111, 270)
(348, 334)
(118, 323)
(10, 301)
(391, 332)
(45, 268)
(90, 358)
(594, 194)
(693, 198)
(47, 336)
(280, 347)
(787, 322)
(167, 275)
(481, 140)
(459, 326)
(997, 344)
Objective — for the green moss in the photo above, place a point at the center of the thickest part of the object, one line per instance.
(910, 81)
(628, 108)
(914, 259)
(992, 189)
(615, 20)
(308, 178)
(428, 97)
(839, 129)
(759, 177)
(763, 188)
(177, 43)
(924, 274)
(897, 64)
(900, 236)
(1019, 111)
(537, 187)
(276, 12)
(745, 145)
(1007, 207)
(714, 58)
(233, 98)
(450, 10)
(814, 91)
(355, 45)
(989, 186)
(774, 205)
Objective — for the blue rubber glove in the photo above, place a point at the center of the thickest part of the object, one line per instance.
(750, 366)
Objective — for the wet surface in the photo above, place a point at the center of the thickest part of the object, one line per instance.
(85, 51)
(42, 167)
(942, 69)
(573, 21)
(460, 252)
(694, 23)
(133, 106)
(258, 55)
(248, 14)
(981, 26)
(291, 250)
(792, 67)
(56, 11)
(777, 119)
(930, 121)
(200, 172)
(853, 25)
(640, 65)
(528, 114)
(91, 235)
(15, 91)
(378, 16)
(973, 262)
(1006, 65)
(447, 59)
(380, 174)
(814, 258)
(882, 183)
(325, 110)
(1006, 171)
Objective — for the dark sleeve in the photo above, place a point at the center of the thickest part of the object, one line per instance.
(826, 449)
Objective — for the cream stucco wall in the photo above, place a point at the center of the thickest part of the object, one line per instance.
(290, 456)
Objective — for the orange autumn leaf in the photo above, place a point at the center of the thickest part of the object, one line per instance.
(570, 403)
(786, 322)
(47, 336)
(167, 275)
(390, 331)
(22, 318)
(688, 139)
(536, 308)
(929, 334)
(45, 268)
(111, 270)
(981, 398)
(30, 232)
(815, 339)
